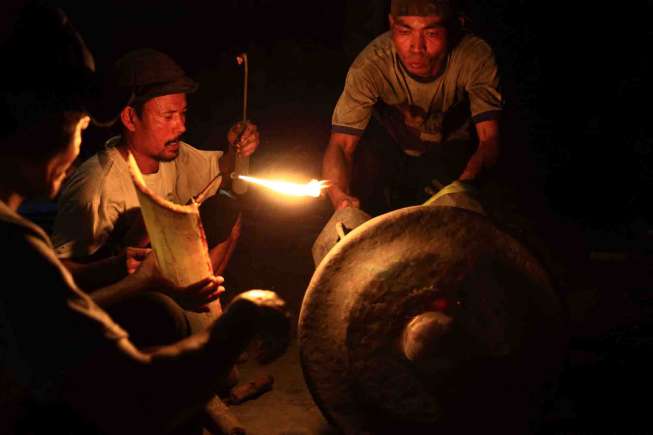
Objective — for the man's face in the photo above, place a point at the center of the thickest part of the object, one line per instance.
(421, 43)
(158, 130)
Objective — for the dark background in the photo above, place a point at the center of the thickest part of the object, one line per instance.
(574, 77)
(575, 169)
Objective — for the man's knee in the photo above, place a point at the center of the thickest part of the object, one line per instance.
(152, 319)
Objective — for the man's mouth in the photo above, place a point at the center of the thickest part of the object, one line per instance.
(173, 143)
(416, 64)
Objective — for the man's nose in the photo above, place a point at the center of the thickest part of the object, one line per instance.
(417, 43)
(180, 126)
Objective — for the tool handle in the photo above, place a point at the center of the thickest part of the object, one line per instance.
(241, 167)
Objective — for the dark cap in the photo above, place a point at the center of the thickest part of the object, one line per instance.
(149, 73)
(47, 67)
(423, 8)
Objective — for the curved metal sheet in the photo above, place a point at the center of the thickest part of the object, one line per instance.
(176, 235)
(505, 339)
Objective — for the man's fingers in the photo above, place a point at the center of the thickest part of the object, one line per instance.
(139, 250)
(205, 286)
(199, 302)
(248, 142)
(212, 297)
(343, 204)
(348, 202)
(208, 289)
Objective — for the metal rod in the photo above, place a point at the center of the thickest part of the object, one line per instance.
(242, 59)
(242, 162)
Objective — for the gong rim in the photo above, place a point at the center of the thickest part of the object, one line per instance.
(338, 310)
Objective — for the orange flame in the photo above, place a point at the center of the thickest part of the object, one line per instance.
(312, 188)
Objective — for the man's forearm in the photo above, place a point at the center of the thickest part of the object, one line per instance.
(486, 153)
(482, 160)
(119, 291)
(337, 169)
(96, 274)
(227, 162)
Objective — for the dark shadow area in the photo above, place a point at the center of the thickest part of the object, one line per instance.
(574, 180)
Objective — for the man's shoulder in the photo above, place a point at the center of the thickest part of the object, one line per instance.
(186, 148)
(378, 53)
(93, 174)
(101, 162)
(188, 152)
(472, 48)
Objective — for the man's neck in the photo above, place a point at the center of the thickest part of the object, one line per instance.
(146, 164)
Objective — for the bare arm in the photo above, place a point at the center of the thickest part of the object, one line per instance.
(486, 154)
(93, 275)
(337, 166)
(221, 253)
(129, 286)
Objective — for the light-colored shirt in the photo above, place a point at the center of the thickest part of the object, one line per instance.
(98, 204)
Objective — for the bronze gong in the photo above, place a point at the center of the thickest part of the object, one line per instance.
(430, 318)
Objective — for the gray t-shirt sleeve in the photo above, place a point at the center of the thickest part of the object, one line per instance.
(85, 216)
(355, 105)
(482, 83)
(195, 169)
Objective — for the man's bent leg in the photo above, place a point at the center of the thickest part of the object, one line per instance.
(152, 319)
(220, 215)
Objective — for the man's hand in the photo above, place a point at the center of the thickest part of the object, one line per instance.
(341, 200)
(337, 166)
(134, 257)
(247, 142)
(194, 297)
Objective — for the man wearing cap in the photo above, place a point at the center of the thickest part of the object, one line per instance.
(98, 223)
(433, 88)
(65, 365)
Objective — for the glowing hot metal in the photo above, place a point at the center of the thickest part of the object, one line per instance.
(312, 188)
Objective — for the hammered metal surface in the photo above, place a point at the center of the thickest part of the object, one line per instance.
(506, 333)
(349, 218)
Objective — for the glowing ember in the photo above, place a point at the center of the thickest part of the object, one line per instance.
(312, 188)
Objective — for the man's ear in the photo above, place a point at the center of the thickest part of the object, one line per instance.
(391, 20)
(128, 118)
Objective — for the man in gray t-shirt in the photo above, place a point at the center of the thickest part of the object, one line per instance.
(434, 89)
